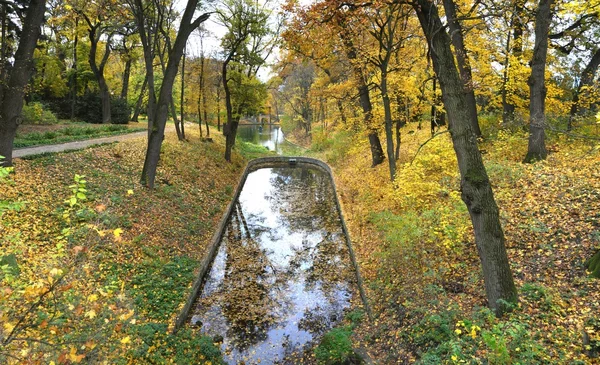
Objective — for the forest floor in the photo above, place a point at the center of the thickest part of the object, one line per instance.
(416, 249)
(94, 266)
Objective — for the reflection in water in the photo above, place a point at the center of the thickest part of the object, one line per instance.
(267, 135)
(282, 274)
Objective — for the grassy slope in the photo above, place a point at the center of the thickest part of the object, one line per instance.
(416, 250)
(127, 257)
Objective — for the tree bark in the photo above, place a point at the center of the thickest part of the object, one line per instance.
(460, 50)
(536, 149)
(476, 191)
(13, 91)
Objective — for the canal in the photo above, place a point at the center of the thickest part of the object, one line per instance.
(281, 275)
(270, 136)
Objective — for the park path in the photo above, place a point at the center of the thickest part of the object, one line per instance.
(78, 145)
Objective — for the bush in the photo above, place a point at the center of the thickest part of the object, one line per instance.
(120, 111)
(88, 108)
(335, 347)
(35, 113)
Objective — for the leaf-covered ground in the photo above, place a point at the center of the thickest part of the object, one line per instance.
(416, 249)
(103, 265)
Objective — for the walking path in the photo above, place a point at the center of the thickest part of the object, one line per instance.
(78, 145)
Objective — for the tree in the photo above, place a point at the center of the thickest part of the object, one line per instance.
(388, 21)
(462, 59)
(158, 107)
(103, 20)
(15, 77)
(536, 149)
(331, 24)
(245, 22)
(476, 191)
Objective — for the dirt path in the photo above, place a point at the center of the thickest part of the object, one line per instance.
(69, 146)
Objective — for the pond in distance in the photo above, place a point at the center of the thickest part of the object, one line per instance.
(282, 275)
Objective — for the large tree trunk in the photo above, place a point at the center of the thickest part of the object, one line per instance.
(536, 149)
(462, 59)
(475, 185)
(13, 91)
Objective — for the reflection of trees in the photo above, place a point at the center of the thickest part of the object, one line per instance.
(303, 197)
(245, 294)
(304, 200)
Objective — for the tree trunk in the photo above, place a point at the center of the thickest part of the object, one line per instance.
(182, 100)
(230, 128)
(536, 149)
(105, 98)
(460, 50)
(476, 191)
(508, 109)
(73, 79)
(176, 120)
(389, 134)
(157, 128)
(516, 50)
(126, 74)
(587, 80)
(138, 104)
(18, 77)
(98, 70)
(377, 155)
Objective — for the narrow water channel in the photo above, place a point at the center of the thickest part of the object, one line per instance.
(282, 275)
(268, 135)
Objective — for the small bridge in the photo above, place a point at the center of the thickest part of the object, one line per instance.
(261, 119)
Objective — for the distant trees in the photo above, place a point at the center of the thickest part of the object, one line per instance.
(246, 45)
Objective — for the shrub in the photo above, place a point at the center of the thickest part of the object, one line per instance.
(335, 347)
(35, 113)
(120, 111)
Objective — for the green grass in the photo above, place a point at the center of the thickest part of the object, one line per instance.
(70, 134)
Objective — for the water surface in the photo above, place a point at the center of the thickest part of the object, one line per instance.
(268, 135)
(282, 275)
